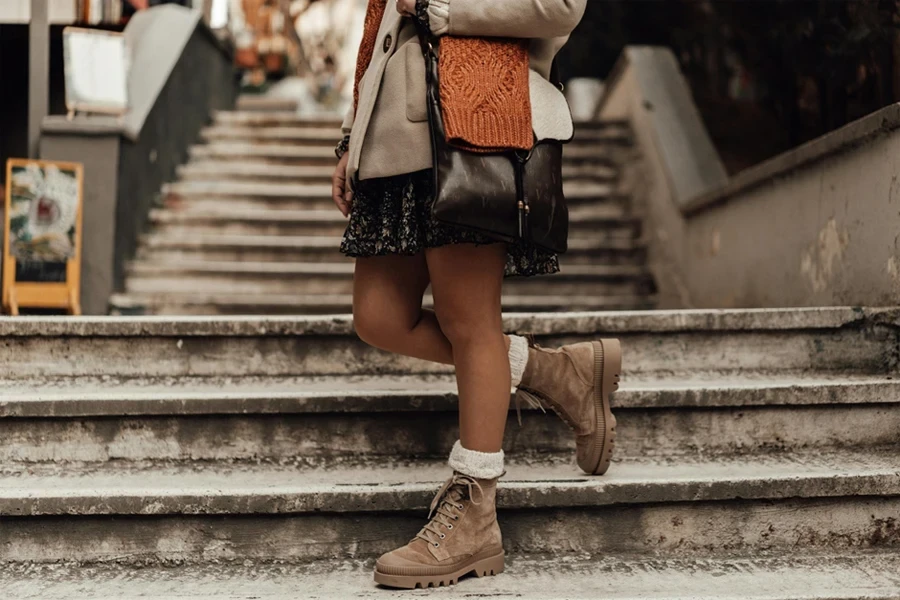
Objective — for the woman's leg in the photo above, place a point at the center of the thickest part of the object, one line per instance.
(388, 313)
(387, 308)
(463, 534)
(466, 282)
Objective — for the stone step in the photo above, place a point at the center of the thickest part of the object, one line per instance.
(292, 119)
(665, 343)
(189, 303)
(245, 195)
(256, 172)
(296, 419)
(600, 223)
(612, 211)
(215, 171)
(272, 153)
(317, 135)
(576, 191)
(836, 501)
(590, 172)
(259, 222)
(279, 118)
(571, 576)
(263, 103)
(324, 155)
(337, 278)
(153, 248)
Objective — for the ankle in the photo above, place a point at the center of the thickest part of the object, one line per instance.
(480, 465)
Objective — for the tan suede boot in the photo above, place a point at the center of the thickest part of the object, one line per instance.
(576, 382)
(461, 537)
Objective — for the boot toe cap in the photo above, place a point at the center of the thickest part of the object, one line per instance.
(403, 559)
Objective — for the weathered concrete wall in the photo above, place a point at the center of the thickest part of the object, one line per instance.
(646, 180)
(824, 233)
(816, 226)
(646, 89)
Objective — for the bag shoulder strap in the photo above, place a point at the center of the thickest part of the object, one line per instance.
(555, 77)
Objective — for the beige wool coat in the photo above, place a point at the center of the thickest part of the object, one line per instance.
(389, 132)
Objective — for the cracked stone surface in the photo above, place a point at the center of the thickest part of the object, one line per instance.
(383, 483)
(113, 395)
(548, 323)
(870, 576)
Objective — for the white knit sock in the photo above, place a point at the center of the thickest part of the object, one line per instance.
(518, 358)
(481, 465)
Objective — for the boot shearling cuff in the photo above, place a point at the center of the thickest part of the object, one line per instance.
(518, 358)
(480, 465)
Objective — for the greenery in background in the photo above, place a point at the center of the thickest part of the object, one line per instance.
(766, 74)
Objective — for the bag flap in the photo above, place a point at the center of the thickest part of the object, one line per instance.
(551, 118)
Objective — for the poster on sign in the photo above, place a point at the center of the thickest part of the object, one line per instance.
(42, 250)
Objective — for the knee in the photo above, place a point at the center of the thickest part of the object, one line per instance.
(382, 329)
(371, 327)
(464, 327)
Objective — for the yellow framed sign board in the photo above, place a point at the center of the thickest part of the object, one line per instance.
(42, 236)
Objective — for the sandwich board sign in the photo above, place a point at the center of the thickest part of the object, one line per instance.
(42, 236)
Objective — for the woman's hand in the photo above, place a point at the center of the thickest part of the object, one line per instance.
(340, 191)
(407, 8)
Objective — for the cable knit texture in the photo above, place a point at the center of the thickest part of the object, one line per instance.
(484, 93)
(374, 14)
(481, 465)
(484, 90)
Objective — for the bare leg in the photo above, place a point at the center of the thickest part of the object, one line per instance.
(387, 308)
(466, 281)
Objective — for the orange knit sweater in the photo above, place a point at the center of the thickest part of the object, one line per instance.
(483, 83)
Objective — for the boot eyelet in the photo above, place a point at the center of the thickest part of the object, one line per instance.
(443, 536)
(436, 544)
(456, 517)
(449, 526)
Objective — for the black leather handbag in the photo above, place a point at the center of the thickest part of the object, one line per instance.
(508, 196)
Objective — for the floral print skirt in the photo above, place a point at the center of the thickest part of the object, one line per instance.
(392, 215)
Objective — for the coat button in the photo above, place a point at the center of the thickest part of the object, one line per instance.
(387, 42)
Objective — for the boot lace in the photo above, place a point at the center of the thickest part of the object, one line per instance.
(523, 395)
(445, 507)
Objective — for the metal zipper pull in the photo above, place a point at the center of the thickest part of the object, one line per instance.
(522, 194)
(526, 234)
(522, 218)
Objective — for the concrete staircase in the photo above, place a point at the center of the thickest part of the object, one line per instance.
(274, 457)
(249, 457)
(251, 225)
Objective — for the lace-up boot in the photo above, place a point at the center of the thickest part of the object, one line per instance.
(462, 536)
(576, 382)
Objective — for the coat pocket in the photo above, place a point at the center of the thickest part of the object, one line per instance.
(416, 109)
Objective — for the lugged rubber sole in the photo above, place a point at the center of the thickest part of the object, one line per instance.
(607, 368)
(482, 567)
